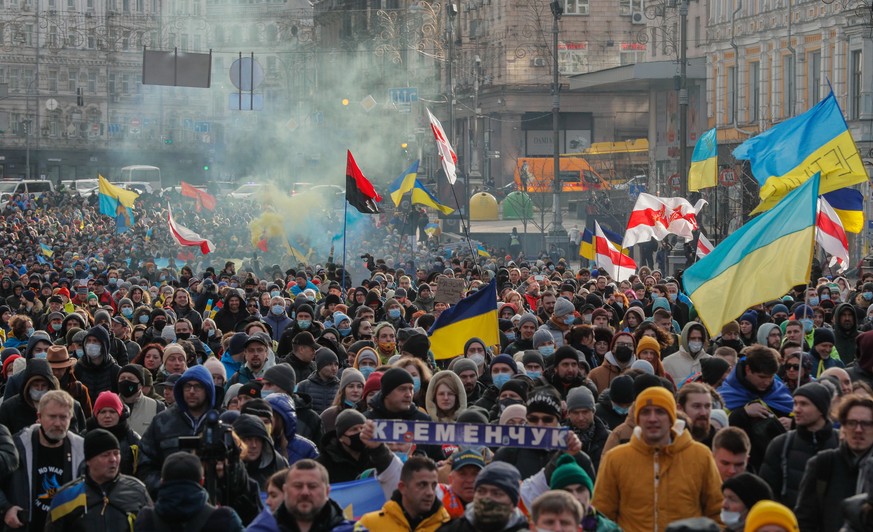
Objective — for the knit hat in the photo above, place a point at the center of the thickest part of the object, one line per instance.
(712, 369)
(417, 345)
(368, 354)
(173, 349)
(107, 399)
(393, 378)
(347, 419)
(656, 396)
(647, 342)
(718, 418)
(98, 441)
(580, 397)
(373, 384)
(503, 476)
(251, 389)
(527, 317)
(214, 366)
(257, 407)
(817, 395)
(518, 386)
(541, 337)
(473, 414)
(533, 357)
(750, 316)
(779, 309)
(643, 365)
(135, 370)
(325, 357)
(182, 465)
(823, 335)
(101, 316)
(749, 488)
(731, 327)
(349, 376)
(545, 401)
(599, 312)
(464, 364)
(506, 360)
(237, 343)
(621, 390)
(283, 376)
(512, 412)
(565, 352)
(568, 473)
(772, 513)
(563, 307)
(802, 311)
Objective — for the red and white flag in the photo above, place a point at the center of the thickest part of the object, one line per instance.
(447, 154)
(617, 264)
(831, 236)
(655, 218)
(186, 237)
(704, 246)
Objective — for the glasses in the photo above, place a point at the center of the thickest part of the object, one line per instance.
(192, 386)
(792, 367)
(853, 424)
(623, 344)
(540, 419)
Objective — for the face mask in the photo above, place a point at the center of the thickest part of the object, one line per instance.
(266, 393)
(868, 296)
(40, 354)
(30, 331)
(93, 351)
(695, 347)
(144, 319)
(500, 379)
(128, 388)
(621, 410)
(234, 285)
(402, 456)
(570, 320)
(127, 312)
(547, 350)
(825, 297)
(210, 333)
(672, 297)
(80, 353)
(807, 324)
(278, 309)
(112, 280)
(478, 358)
(366, 370)
(355, 443)
(350, 404)
(623, 354)
(534, 374)
(274, 293)
(730, 518)
(416, 384)
(345, 331)
(159, 325)
(736, 345)
(491, 515)
(814, 301)
(183, 336)
(506, 403)
(394, 313)
(510, 336)
(56, 326)
(36, 395)
(304, 324)
(586, 318)
(387, 347)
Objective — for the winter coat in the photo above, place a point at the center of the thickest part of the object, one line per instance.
(226, 320)
(517, 522)
(555, 330)
(453, 381)
(606, 412)
(593, 440)
(628, 491)
(309, 423)
(8, 453)
(530, 461)
(128, 443)
(302, 370)
(180, 502)
(321, 391)
(343, 467)
(329, 519)
(682, 363)
(98, 377)
(142, 412)
(19, 412)
(231, 366)
(189, 314)
(392, 518)
(603, 375)
(298, 447)
(830, 478)
(780, 460)
(277, 324)
(107, 507)
(270, 461)
(844, 339)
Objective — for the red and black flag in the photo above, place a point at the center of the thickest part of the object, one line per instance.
(359, 191)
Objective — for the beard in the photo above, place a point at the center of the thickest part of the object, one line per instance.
(700, 429)
(307, 517)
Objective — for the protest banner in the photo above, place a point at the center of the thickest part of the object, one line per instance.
(449, 290)
(470, 434)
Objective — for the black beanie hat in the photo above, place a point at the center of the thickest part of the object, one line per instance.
(545, 400)
(99, 441)
(324, 357)
(473, 414)
(817, 395)
(565, 352)
(135, 370)
(712, 369)
(533, 357)
(621, 390)
(518, 386)
(749, 488)
(823, 335)
(182, 466)
(643, 382)
(393, 378)
(417, 345)
(502, 475)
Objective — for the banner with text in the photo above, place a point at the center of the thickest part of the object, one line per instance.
(470, 434)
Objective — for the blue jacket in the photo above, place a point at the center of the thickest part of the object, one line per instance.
(298, 446)
(329, 519)
(277, 324)
(231, 366)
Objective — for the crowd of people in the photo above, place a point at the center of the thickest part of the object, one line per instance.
(205, 396)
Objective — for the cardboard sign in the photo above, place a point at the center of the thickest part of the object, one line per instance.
(449, 290)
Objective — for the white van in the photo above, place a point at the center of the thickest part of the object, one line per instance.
(141, 174)
(36, 187)
(82, 187)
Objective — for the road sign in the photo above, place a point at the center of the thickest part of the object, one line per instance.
(245, 101)
(135, 122)
(404, 95)
(675, 182)
(246, 74)
(727, 177)
(51, 104)
(95, 128)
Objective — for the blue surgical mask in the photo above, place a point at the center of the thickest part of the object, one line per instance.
(825, 297)
(278, 309)
(304, 324)
(30, 331)
(80, 353)
(144, 318)
(394, 313)
(366, 370)
(345, 331)
(570, 319)
(40, 354)
(621, 410)
(56, 327)
(500, 379)
(814, 301)
(210, 333)
(534, 375)
(807, 324)
(350, 404)
(127, 312)
(416, 384)
(402, 456)
(547, 350)
(510, 336)
(274, 293)
(868, 296)
(266, 393)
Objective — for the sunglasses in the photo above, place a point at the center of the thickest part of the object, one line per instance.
(792, 367)
(540, 419)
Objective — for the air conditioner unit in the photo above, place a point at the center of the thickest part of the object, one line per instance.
(538, 62)
(638, 18)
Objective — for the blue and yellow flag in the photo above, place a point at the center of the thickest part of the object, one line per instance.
(422, 196)
(704, 163)
(358, 497)
(786, 155)
(475, 315)
(481, 251)
(71, 499)
(849, 206)
(46, 250)
(116, 203)
(759, 262)
(586, 246)
(403, 184)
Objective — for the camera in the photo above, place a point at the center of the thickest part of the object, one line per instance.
(215, 443)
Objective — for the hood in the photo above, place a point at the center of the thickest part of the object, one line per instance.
(638, 311)
(101, 334)
(764, 331)
(864, 356)
(450, 378)
(248, 426)
(197, 374)
(661, 302)
(38, 336)
(680, 440)
(845, 307)
(73, 317)
(283, 405)
(231, 294)
(36, 369)
(683, 338)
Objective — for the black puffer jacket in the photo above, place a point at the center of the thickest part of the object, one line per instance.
(8, 453)
(178, 503)
(98, 377)
(530, 461)
(321, 392)
(802, 445)
(343, 467)
(830, 478)
(125, 496)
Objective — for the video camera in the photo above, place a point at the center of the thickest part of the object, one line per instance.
(215, 443)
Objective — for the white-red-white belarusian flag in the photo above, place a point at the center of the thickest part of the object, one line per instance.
(447, 155)
(704, 246)
(618, 265)
(655, 218)
(831, 236)
(186, 237)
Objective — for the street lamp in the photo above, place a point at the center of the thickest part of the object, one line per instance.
(557, 225)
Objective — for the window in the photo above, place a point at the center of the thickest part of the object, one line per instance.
(632, 53)
(53, 81)
(754, 90)
(697, 32)
(576, 7)
(92, 82)
(90, 5)
(855, 84)
(624, 7)
(125, 6)
(110, 84)
(731, 94)
(196, 47)
(73, 81)
(814, 63)
(184, 40)
(789, 92)
(140, 6)
(125, 84)
(572, 58)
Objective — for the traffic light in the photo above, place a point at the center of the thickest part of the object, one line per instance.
(80, 98)
(205, 167)
(345, 102)
(404, 150)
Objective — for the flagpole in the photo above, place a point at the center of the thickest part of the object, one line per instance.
(345, 221)
(464, 224)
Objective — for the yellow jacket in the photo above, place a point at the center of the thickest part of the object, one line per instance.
(391, 518)
(644, 488)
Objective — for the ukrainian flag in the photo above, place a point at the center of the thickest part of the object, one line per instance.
(358, 497)
(47, 251)
(704, 163)
(849, 206)
(475, 315)
(403, 184)
(586, 246)
(423, 196)
(68, 500)
(786, 155)
(481, 251)
(116, 203)
(760, 261)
